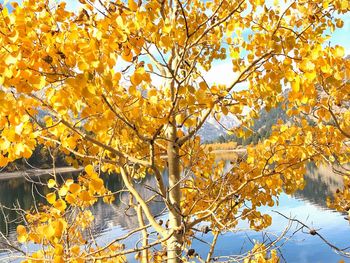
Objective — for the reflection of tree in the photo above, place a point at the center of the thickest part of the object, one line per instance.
(16, 192)
(19, 192)
(118, 214)
(321, 182)
(41, 158)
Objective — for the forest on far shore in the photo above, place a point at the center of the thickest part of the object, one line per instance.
(41, 158)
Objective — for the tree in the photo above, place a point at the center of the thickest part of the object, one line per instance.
(122, 87)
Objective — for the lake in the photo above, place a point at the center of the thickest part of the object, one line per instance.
(308, 206)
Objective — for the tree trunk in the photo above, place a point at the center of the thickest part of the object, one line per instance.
(175, 242)
(144, 253)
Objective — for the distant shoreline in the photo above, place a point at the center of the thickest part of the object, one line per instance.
(238, 151)
(36, 172)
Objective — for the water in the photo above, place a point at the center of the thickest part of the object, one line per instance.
(308, 206)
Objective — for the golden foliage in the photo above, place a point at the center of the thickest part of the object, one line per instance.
(124, 86)
(61, 229)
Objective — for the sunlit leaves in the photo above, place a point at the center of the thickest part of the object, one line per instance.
(54, 227)
(51, 198)
(259, 255)
(22, 234)
(117, 84)
(74, 188)
(132, 5)
(89, 169)
(339, 51)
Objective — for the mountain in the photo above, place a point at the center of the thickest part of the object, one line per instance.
(212, 129)
(267, 119)
(262, 127)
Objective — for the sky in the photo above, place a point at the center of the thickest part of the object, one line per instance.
(341, 36)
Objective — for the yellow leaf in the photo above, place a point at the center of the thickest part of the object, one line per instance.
(150, 67)
(70, 143)
(339, 51)
(307, 65)
(51, 198)
(58, 252)
(344, 4)
(309, 137)
(326, 69)
(45, 28)
(83, 66)
(96, 184)
(89, 169)
(304, 100)
(339, 23)
(296, 84)
(132, 90)
(51, 183)
(153, 100)
(152, 93)
(167, 28)
(85, 196)
(3, 161)
(182, 90)
(11, 59)
(27, 153)
(224, 110)
(91, 89)
(235, 54)
(136, 79)
(311, 75)
(75, 250)
(19, 148)
(60, 205)
(59, 226)
(63, 191)
(73, 188)
(337, 76)
(283, 128)
(70, 198)
(166, 41)
(49, 231)
(202, 85)
(132, 5)
(69, 182)
(14, 36)
(127, 54)
(22, 234)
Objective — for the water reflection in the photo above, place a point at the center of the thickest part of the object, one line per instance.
(321, 182)
(21, 192)
(114, 220)
(118, 213)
